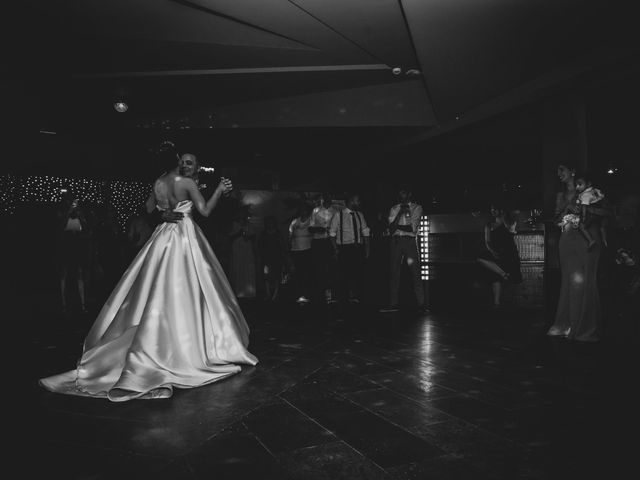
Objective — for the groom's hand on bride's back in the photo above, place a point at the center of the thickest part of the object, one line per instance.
(171, 217)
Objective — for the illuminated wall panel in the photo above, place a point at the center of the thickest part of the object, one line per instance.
(423, 239)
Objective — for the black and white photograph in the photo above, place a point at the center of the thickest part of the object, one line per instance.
(321, 239)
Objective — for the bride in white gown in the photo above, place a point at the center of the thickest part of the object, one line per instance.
(173, 319)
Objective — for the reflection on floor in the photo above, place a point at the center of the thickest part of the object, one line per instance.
(353, 394)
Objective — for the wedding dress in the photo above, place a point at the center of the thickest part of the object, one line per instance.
(172, 321)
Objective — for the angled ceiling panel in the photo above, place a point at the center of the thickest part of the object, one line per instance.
(288, 19)
(169, 21)
(377, 25)
(469, 51)
(132, 35)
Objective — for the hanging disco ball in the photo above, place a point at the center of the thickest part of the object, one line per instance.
(121, 107)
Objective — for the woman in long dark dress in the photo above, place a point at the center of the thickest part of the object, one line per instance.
(579, 312)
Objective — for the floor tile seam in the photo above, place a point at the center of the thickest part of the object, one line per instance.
(430, 363)
(490, 402)
(276, 455)
(276, 394)
(242, 416)
(462, 419)
(359, 356)
(306, 415)
(381, 415)
(460, 371)
(387, 365)
(305, 351)
(262, 444)
(378, 385)
(435, 383)
(363, 377)
(423, 403)
(484, 402)
(448, 370)
(486, 431)
(262, 373)
(400, 427)
(211, 437)
(481, 429)
(345, 395)
(320, 358)
(363, 391)
(455, 393)
(483, 363)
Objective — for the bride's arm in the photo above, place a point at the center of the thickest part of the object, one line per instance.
(205, 207)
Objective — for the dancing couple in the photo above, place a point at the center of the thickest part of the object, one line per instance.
(172, 320)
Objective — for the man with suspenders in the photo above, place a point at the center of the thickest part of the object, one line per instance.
(349, 235)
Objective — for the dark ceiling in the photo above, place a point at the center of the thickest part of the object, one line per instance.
(392, 71)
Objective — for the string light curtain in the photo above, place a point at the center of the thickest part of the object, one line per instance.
(127, 197)
(9, 185)
(49, 189)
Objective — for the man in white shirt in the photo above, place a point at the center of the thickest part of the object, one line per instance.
(349, 235)
(322, 250)
(300, 245)
(404, 222)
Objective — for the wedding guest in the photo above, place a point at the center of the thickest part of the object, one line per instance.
(300, 246)
(324, 267)
(578, 315)
(404, 223)
(73, 247)
(242, 266)
(500, 258)
(349, 235)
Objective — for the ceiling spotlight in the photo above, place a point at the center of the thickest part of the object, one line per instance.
(610, 171)
(397, 71)
(121, 107)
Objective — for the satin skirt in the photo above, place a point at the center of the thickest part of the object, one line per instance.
(172, 321)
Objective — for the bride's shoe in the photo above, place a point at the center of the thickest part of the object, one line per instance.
(558, 332)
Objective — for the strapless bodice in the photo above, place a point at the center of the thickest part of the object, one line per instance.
(184, 206)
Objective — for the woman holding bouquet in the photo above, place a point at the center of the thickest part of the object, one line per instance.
(579, 311)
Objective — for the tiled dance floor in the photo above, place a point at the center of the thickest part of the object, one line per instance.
(354, 395)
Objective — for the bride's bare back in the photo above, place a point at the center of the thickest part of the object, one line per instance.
(171, 189)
